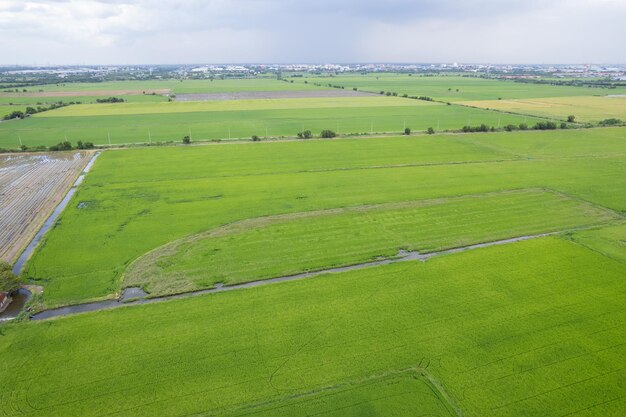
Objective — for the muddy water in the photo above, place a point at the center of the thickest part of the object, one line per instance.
(15, 308)
(17, 268)
(134, 296)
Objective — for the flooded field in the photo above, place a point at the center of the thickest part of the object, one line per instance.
(31, 185)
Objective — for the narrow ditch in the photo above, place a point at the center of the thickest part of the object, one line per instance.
(136, 296)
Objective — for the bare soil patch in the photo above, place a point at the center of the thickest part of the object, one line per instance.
(31, 185)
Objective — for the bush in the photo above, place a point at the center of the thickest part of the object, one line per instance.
(305, 134)
(610, 122)
(407, 131)
(571, 118)
(523, 126)
(430, 131)
(186, 140)
(545, 126)
(563, 125)
(255, 138)
(327, 134)
(61, 146)
(510, 128)
(482, 128)
(111, 99)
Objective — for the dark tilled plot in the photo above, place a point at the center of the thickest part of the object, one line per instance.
(252, 95)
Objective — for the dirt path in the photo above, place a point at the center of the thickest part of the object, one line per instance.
(135, 296)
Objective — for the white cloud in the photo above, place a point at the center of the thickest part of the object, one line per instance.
(169, 31)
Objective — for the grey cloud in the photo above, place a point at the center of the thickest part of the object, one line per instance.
(107, 31)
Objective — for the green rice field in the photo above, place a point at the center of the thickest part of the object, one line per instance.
(536, 330)
(444, 88)
(153, 122)
(518, 311)
(129, 208)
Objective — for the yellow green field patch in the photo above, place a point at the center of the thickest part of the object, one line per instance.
(584, 108)
(231, 105)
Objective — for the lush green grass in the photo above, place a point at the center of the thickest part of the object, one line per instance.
(42, 101)
(398, 394)
(610, 241)
(534, 328)
(585, 109)
(349, 115)
(444, 87)
(140, 199)
(128, 109)
(6, 109)
(285, 245)
(178, 86)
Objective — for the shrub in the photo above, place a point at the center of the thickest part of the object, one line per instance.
(571, 118)
(305, 134)
(327, 134)
(510, 128)
(523, 126)
(610, 122)
(186, 140)
(255, 138)
(430, 131)
(545, 126)
(563, 125)
(61, 146)
(407, 131)
(111, 99)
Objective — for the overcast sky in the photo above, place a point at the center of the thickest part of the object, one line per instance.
(244, 31)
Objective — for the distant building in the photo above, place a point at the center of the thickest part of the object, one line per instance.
(5, 300)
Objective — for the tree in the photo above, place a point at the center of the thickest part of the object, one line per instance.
(9, 282)
(407, 131)
(255, 138)
(563, 125)
(186, 140)
(327, 134)
(571, 118)
(430, 131)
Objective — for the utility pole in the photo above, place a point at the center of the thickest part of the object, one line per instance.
(20, 139)
(189, 132)
(109, 136)
(149, 137)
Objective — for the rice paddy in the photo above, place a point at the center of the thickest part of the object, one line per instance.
(530, 327)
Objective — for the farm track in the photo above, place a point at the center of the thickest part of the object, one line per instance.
(30, 187)
(403, 256)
